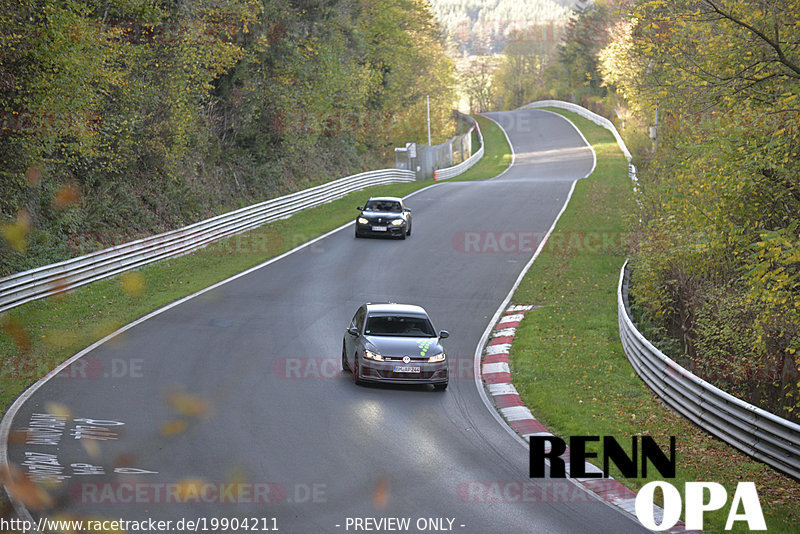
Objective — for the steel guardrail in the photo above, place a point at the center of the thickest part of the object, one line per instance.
(752, 430)
(19, 288)
(455, 170)
(597, 119)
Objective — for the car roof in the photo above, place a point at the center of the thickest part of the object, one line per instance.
(395, 199)
(391, 307)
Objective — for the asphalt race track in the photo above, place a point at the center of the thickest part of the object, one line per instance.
(240, 387)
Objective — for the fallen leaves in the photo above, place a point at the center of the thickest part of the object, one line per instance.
(16, 233)
(14, 329)
(68, 195)
(188, 407)
(173, 428)
(380, 497)
(133, 283)
(22, 489)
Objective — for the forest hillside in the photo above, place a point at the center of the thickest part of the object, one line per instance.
(121, 118)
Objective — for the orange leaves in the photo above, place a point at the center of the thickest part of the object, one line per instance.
(190, 488)
(68, 195)
(21, 488)
(33, 175)
(14, 329)
(380, 496)
(58, 410)
(15, 233)
(188, 407)
(173, 428)
(133, 283)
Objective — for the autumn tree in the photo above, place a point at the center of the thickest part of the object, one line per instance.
(122, 118)
(477, 83)
(520, 77)
(718, 258)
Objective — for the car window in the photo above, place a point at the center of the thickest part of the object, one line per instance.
(399, 325)
(390, 206)
(358, 318)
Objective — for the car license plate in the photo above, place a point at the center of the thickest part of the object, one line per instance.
(406, 369)
(379, 228)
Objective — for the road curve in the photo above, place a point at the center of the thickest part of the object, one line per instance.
(241, 384)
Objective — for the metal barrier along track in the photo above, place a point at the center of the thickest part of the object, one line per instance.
(597, 119)
(455, 170)
(754, 431)
(48, 280)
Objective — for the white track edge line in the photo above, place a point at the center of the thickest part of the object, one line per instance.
(485, 337)
(594, 154)
(510, 147)
(476, 364)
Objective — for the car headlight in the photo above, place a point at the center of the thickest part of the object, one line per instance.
(397, 222)
(436, 358)
(362, 220)
(368, 354)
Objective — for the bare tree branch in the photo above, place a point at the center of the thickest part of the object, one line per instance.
(773, 43)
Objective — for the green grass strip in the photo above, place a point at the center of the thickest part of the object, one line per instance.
(567, 361)
(497, 156)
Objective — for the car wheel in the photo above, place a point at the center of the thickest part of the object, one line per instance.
(344, 360)
(356, 376)
(440, 386)
(409, 230)
(357, 234)
(403, 235)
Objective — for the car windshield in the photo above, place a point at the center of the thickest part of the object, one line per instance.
(390, 206)
(399, 325)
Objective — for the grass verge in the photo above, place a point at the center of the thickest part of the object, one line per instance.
(568, 364)
(497, 156)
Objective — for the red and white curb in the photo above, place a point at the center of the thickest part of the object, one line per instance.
(496, 374)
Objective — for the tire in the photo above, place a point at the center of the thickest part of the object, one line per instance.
(357, 234)
(356, 377)
(440, 387)
(403, 235)
(345, 367)
(409, 231)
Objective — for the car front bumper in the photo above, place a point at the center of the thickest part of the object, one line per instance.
(391, 230)
(430, 373)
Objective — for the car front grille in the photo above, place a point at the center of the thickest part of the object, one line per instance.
(424, 375)
(381, 221)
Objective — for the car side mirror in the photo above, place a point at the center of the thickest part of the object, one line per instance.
(360, 208)
(443, 334)
(353, 331)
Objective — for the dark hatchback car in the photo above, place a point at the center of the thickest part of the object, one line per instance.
(396, 344)
(385, 216)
